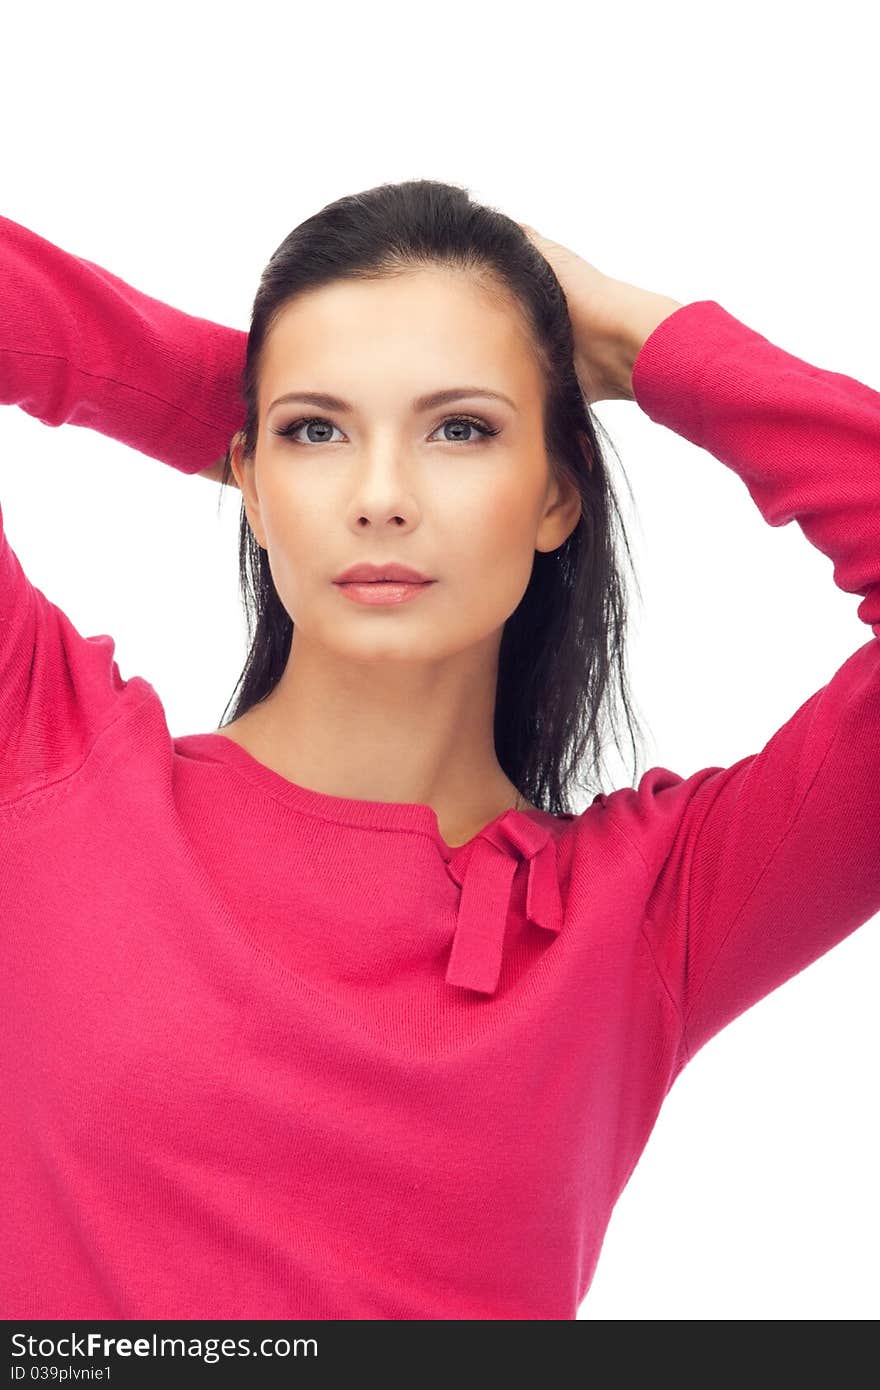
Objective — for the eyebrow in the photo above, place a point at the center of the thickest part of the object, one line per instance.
(421, 403)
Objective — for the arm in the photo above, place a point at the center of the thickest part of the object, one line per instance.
(755, 870)
(80, 346)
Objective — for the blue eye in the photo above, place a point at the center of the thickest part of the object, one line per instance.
(293, 428)
(486, 430)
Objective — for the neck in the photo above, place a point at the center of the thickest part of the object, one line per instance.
(400, 733)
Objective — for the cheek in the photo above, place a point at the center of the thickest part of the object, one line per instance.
(298, 531)
(496, 521)
(296, 508)
(487, 550)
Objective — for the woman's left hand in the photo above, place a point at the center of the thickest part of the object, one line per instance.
(611, 320)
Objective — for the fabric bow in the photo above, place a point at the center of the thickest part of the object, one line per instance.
(486, 875)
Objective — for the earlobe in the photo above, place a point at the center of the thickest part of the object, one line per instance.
(245, 478)
(573, 513)
(562, 515)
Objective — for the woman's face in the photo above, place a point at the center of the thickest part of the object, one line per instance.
(385, 478)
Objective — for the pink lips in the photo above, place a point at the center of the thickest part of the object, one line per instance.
(367, 573)
(380, 591)
(382, 584)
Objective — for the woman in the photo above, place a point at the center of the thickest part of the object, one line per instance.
(341, 1010)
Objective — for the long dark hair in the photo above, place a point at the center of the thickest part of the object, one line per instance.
(562, 656)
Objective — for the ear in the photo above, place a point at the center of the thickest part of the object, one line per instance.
(244, 470)
(562, 514)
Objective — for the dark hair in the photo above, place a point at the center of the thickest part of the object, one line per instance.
(562, 651)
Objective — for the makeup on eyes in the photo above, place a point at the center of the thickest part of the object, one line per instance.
(485, 429)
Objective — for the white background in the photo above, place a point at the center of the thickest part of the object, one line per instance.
(727, 154)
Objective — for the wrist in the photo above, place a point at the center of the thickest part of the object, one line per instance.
(637, 312)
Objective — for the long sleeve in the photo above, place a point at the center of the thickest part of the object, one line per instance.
(79, 346)
(757, 869)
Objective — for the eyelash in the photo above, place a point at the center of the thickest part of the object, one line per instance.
(485, 430)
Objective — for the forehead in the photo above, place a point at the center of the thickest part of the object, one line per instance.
(398, 337)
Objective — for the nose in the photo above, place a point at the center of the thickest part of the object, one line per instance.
(383, 493)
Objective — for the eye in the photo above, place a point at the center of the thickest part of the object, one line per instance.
(470, 421)
(289, 431)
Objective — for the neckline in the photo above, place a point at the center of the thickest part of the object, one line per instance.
(381, 815)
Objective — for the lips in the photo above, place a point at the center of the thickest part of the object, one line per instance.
(377, 574)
